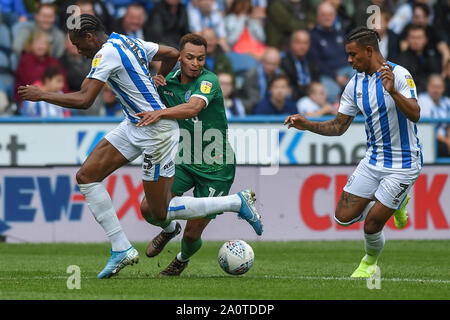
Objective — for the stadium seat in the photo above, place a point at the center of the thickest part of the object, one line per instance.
(241, 62)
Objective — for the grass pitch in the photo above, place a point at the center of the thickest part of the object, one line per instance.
(282, 271)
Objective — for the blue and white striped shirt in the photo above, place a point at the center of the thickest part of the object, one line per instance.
(392, 140)
(122, 62)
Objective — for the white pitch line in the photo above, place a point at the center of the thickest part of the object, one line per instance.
(439, 281)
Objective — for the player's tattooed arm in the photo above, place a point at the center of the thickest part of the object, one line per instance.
(334, 127)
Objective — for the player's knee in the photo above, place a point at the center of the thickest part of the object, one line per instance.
(192, 234)
(82, 178)
(372, 226)
(342, 219)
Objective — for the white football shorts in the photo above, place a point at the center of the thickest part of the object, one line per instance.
(157, 143)
(389, 186)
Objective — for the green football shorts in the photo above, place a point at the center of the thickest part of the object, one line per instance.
(205, 185)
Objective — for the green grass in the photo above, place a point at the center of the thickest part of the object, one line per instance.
(282, 270)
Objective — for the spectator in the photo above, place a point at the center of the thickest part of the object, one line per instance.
(34, 60)
(388, 43)
(254, 86)
(112, 105)
(421, 17)
(278, 102)
(259, 11)
(76, 66)
(93, 7)
(204, 14)
(403, 16)
(442, 18)
(419, 61)
(44, 20)
(233, 105)
(118, 8)
(284, 17)
(13, 11)
(216, 60)
(433, 104)
(168, 22)
(315, 103)
(299, 65)
(328, 47)
(52, 81)
(343, 21)
(244, 34)
(133, 22)
(6, 62)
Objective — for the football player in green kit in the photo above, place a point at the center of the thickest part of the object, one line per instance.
(210, 170)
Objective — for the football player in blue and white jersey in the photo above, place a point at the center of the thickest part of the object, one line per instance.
(386, 95)
(123, 62)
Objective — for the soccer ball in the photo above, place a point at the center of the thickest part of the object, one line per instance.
(236, 257)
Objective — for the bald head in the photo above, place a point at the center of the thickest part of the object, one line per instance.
(271, 60)
(300, 43)
(326, 15)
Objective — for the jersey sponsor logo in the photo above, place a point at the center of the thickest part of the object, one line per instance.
(205, 87)
(410, 81)
(187, 95)
(96, 60)
(169, 93)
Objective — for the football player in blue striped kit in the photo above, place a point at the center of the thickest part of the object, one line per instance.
(386, 95)
(123, 62)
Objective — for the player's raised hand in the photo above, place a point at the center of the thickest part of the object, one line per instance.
(148, 117)
(297, 121)
(387, 77)
(30, 93)
(159, 80)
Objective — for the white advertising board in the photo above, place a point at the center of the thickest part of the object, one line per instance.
(69, 143)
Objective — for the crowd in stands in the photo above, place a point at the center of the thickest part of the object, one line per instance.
(271, 56)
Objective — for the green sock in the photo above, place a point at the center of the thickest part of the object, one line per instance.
(188, 249)
(157, 223)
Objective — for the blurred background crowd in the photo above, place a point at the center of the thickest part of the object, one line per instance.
(272, 57)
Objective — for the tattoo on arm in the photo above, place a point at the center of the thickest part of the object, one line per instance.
(334, 127)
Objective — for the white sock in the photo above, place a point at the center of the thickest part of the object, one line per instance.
(373, 244)
(99, 201)
(171, 227)
(188, 208)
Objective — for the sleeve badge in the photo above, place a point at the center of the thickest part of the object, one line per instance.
(205, 87)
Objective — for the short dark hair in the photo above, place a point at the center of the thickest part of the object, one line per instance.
(423, 6)
(88, 24)
(364, 37)
(193, 38)
(280, 76)
(51, 71)
(413, 27)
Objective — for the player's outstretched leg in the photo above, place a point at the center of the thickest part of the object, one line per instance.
(249, 212)
(401, 215)
(159, 242)
(118, 260)
(188, 208)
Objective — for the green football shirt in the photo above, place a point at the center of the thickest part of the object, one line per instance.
(204, 145)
